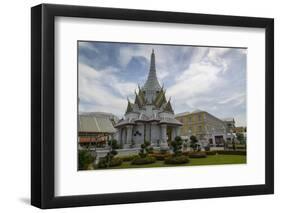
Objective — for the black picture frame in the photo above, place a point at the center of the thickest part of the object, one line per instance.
(43, 105)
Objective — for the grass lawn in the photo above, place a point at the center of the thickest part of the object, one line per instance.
(209, 160)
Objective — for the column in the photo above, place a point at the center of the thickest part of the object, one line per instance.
(129, 134)
(120, 136)
(177, 130)
(163, 143)
(173, 133)
(147, 132)
(123, 135)
(214, 140)
(142, 132)
(154, 133)
(164, 133)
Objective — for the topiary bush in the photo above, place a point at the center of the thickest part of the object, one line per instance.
(107, 160)
(145, 149)
(194, 143)
(177, 146)
(177, 160)
(145, 160)
(197, 155)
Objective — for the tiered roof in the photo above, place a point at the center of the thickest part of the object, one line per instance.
(150, 94)
(152, 83)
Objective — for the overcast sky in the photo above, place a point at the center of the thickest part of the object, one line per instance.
(206, 78)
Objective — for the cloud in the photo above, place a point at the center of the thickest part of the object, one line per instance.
(236, 99)
(198, 79)
(103, 89)
(201, 77)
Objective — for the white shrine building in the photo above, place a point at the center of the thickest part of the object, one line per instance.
(150, 118)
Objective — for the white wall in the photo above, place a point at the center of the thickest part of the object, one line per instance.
(15, 105)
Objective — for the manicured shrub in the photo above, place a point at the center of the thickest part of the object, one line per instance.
(145, 160)
(145, 149)
(177, 145)
(231, 152)
(177, 160)
(197, 155)
(107, 160)
(211, 152)
(126, 158)
(194, 143)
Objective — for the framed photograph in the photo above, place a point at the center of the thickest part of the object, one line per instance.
(136, 106)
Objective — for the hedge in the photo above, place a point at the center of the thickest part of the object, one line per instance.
(145, 160)
(177, 160)
(211, 152)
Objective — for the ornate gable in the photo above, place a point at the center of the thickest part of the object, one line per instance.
(129, 107)
(168, 107)
(160, 99)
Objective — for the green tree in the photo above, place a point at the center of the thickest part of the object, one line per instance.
(177, 146)
(85, 159)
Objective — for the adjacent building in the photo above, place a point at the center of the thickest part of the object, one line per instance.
(95, 129)
(150, 117)
(206, 127)
(240, 130)
(230, 124)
